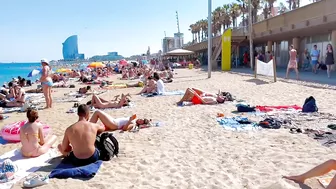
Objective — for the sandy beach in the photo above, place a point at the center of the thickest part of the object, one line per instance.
(190, 149)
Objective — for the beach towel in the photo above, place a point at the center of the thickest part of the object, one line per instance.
(65, 170)
(278, 108)
(11, 110)
(325, 181)
(237, 123)
(25, 166)
(167, 93)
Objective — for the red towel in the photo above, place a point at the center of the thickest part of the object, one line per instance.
(271, 108)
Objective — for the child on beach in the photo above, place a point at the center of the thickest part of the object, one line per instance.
(31, 135)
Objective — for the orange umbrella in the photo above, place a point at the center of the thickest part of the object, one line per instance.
(96, 65)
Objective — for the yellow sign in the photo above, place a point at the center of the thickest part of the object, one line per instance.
(226, 50)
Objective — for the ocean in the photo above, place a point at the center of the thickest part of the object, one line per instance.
(10, 70)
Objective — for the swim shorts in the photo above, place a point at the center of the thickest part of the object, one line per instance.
(81, 162)
(314, 62)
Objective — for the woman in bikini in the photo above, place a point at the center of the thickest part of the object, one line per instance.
(113, 124)
(18, 100)
(197, 96)
(100, 103)
(31, 135)
(46, 82)
(292, 64)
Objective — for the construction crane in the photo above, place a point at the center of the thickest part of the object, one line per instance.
(178, 23)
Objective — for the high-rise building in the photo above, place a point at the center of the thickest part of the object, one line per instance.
(167, 44)
(70, 49)
(178, 40)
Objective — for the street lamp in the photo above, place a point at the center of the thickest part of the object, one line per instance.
(209, 38)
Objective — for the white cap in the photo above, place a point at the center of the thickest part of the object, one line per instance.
(44, 60)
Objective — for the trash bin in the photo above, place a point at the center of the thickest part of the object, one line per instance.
(191, 66)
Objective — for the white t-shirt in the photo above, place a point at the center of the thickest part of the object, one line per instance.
(160, 87)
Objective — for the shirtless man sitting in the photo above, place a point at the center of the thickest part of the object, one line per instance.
(79, 139)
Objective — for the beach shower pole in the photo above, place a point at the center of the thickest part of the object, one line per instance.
(250, 33)
(209, 38)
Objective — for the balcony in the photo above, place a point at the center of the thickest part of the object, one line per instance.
(319, 17)
(312, 19)
(238, 34)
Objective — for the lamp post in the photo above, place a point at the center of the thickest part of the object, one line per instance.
(250, 33)
(209, 38)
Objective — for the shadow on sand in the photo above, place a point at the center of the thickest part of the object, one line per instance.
(257, 81)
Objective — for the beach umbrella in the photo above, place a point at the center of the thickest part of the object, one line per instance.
(34, 72)
(96, 65)
(123, 62)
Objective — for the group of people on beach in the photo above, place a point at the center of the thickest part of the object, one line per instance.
(313, 58)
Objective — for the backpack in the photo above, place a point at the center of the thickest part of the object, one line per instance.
(107, 145)
(309, 105)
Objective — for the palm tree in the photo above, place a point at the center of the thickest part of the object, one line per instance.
(243, 9)
(198, 30)
(234, 11)
(192, 29)
(255, 8)
(204, 27)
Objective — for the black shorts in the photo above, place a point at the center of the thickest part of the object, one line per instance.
(81, 162)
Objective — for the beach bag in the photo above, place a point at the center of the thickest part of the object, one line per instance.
(107, 145)
(309, 105)
(245, 108)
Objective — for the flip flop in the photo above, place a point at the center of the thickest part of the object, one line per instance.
(36, 180)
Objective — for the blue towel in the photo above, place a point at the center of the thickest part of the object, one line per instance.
(64, 170)
(236, 123)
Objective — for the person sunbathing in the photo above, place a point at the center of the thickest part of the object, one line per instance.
(31, 135)
(17, 101)
(197, 96)
(78, 144)
(150, 87)
(100, 103)
(317, 171)
(84, 90)
(113, 124)
(39, 90)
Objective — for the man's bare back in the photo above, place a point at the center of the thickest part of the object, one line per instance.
(82, 137)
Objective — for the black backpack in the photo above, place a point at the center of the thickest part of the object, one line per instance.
(107, 145)
(309, 105)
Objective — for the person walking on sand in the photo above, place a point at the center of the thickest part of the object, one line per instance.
(292, 64)
(315, 56)
(329, 59)
(317, 171)
(46, 82)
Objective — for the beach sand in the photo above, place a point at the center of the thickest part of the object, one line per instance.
(190, 149)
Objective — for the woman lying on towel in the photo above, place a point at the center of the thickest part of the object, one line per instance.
(112, 124)
(317, 171)
(197, 96)
(31, 135)
(100, 103)
(84, 90)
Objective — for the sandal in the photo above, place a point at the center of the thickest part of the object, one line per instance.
(36, 180)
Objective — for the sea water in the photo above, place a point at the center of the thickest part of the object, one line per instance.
(13, 70)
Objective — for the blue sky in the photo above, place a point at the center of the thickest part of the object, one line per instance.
(33, 29)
